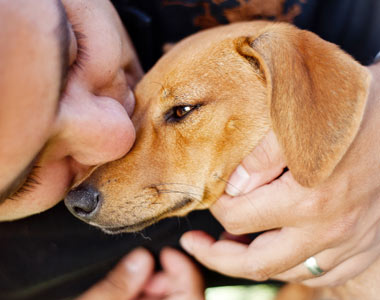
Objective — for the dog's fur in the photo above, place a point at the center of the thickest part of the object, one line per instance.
(238, 82)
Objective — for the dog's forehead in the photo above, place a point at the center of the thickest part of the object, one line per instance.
(190, 68)
(192, 80)
(205, 48)
(205, 58)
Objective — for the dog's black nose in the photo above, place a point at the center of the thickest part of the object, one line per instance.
(83, 201)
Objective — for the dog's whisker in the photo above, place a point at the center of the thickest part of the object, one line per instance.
(144, 236)
(166, 191)
(174, 183)
(200, 202)
(178, 221)
(183, 192)
(189, 194)
(204, 190)
(198, 197)
(189, 225)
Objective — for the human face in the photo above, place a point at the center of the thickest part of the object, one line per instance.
(66, 72)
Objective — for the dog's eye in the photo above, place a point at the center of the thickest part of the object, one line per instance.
(177, 113)
(181, 111)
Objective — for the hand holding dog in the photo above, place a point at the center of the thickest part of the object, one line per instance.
(134, 278)
(337, 222)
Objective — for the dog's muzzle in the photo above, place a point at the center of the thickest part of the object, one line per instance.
(83, 202)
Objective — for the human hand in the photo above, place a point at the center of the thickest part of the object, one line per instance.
(337, 222)
(126, 280)
(179, 280)
(134, 278)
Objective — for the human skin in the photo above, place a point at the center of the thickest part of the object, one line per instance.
(69, 134)
(337, 222)
(67, 125)
(133, 279)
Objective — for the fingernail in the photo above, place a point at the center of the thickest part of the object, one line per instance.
(237, 182)
(136, 261)
(186, 245)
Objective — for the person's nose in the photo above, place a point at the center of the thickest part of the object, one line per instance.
(93, 129)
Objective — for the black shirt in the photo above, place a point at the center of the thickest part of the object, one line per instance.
(352, 24)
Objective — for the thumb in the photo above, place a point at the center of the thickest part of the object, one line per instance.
(265, 163)
(126, 280)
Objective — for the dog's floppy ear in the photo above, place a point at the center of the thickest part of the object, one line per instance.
(316, 96)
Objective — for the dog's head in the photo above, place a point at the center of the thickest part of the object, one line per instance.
(208, 102)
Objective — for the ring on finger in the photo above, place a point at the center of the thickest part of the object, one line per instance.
(312, 265)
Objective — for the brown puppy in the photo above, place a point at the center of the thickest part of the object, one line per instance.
(208, 102)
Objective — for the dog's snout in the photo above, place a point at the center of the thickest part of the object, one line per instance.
(83, 201)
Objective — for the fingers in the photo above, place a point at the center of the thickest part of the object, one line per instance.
(223, 256)
(347, 270)
(180, 278)
(270, 254)
(340, 264)
(259, 261)
(270, 206)
(178, 265)
(332, 259)
(265, 163)
(280, 254)
(327, 261)
(126, 280)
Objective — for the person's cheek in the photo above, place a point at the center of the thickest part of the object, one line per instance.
(54, 178)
